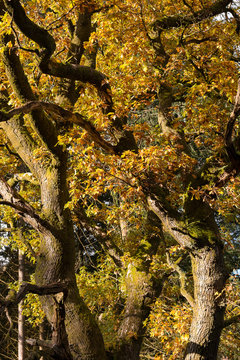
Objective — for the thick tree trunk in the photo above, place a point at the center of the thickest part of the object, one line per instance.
(56, 263)
(208, 313)
(130, 350)
(199, 234)
(140, 292)
(131, 330)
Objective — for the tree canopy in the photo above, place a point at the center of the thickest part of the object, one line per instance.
(119, 145)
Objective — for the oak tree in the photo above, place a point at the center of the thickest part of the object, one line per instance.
(124, 114)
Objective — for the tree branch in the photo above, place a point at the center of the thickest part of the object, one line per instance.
(28, 213)
(182, 279)
(8, 148)
(31, 30)
(237, 18)
(24, 176)
(50, 289)
(62, 116)
(171, 224)
(233, 155)
(176, 21)
(232, 320)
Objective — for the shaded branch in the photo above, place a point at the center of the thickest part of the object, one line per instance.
(198, 41)
(30, 29)
(26, 288)
(13, 199)
(233, 155)
(8, 148)
(232, 320)
(182, 279)
(176, 21)
(84, 74)
(237, 18)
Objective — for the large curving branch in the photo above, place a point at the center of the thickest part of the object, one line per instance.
(26, 288)
(81, 73)
(38, 34)
(62, 116)
(47, 44)
(170, 22)
(84, 74)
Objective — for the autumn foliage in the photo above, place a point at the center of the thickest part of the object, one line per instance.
(119, 148)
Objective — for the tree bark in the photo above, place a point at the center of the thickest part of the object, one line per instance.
(130, 333)
(198, 233)
(208, 312)
(141, 291)
(58, 253)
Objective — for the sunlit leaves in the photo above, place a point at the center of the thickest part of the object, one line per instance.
(170, 324)
(101, 293)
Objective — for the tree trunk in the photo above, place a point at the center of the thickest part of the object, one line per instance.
(56, 263)
(140, 293)
(208, 313)
(56, 258)
(199, 235)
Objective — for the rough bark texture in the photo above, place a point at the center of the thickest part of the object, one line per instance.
(138, 287)
(142, 289)
(199, 234)
(208, 312)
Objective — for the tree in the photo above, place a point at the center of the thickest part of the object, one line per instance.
(135, 184)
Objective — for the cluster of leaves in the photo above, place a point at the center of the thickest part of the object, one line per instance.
(169, 323)
(100, 289)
